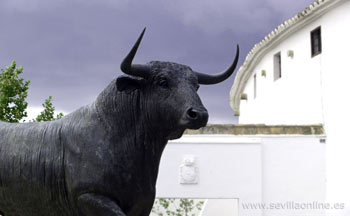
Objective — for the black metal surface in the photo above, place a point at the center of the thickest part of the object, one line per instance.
(102, 159)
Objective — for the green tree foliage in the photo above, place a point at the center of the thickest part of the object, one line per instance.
(13, 94)
(176, 207)
(48, 113)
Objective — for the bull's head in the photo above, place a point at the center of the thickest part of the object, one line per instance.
(171, 91)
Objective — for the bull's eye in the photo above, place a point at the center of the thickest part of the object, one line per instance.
(163, 82)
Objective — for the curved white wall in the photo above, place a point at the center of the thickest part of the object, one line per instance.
(336, 90)
(296, 98)
(311, 90)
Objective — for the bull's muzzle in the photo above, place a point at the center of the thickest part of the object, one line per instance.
(195, 118)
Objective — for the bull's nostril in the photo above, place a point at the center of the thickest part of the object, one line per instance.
(195, 118)
(192, 114)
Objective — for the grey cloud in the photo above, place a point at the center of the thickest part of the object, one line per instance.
(214, 17)
(71, 49)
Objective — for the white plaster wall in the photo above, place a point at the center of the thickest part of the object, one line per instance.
(255, 170)
(294, 170)
(296, 97)
(228, 167)
(222, 207)
(335, 79)
(329, 104)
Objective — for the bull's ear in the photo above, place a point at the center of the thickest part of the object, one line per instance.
(127, 83)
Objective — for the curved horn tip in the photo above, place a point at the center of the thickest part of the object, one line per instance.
(140, 38)
(135, 70)
(126, 63)
(143, 32)
(214, 79)
(237, 48)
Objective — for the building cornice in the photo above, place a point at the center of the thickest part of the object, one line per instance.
(258, 129)
(309, 14)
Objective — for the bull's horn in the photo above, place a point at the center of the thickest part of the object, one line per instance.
(135, 69)
(213, 79)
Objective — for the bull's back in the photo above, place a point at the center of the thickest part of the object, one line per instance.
(32, 170)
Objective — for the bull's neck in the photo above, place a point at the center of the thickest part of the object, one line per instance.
(124, 117)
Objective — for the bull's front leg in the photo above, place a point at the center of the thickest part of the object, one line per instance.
(91, 204)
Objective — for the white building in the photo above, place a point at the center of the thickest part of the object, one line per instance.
(299, 74)
(285, 83)
(290, 154)
(248, 170)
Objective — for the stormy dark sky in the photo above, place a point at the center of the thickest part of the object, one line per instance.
(71, 49)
